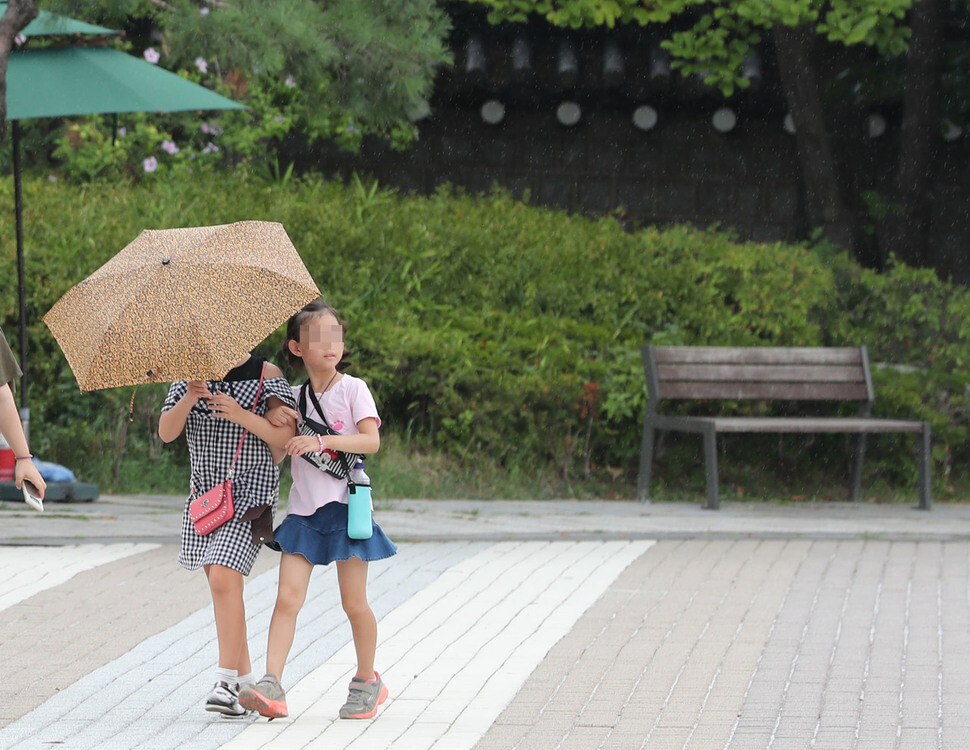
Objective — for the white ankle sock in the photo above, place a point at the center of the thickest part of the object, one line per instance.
(227, 676)
(246, 679)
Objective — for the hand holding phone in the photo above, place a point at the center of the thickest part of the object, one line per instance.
(32, 496)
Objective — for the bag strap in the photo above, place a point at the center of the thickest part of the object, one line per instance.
(316, 405)
(262, 373)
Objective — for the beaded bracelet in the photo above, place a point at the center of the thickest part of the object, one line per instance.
(320, 443)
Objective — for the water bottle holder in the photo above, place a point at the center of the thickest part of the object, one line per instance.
(359, 523)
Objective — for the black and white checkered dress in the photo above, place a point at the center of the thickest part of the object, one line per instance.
(212, 443)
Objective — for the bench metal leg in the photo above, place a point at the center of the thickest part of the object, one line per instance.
(923, 449)
(646, 462)
(710, 467)
(860, 457)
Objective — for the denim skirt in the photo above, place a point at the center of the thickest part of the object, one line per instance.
(322, 537)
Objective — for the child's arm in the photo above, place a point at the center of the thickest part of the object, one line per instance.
(13, 431)
(278, 451)
(172, 422)
(224, 406)
(273, 434)
(368, 440)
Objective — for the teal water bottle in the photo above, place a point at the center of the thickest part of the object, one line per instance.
(359, 523)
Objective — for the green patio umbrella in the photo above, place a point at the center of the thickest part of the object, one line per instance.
(71, 81)
(54, 24)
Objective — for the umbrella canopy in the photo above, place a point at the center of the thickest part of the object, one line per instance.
(68, 81)
(54, 24)
(180, 304)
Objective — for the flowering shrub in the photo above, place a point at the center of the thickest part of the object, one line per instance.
(338, 70)
(146, 144)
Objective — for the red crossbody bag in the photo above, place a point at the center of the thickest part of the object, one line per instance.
(214, 508)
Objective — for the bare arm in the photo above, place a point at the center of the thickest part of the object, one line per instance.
(274, 434)
(13, 431)
(368, 440)
(172, 422)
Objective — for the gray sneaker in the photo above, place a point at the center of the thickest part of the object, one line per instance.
(266, 697)
(224, 700)
(364, 698)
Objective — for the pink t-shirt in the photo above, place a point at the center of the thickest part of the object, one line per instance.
(347, 403)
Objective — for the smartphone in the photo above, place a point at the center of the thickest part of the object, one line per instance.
(32, 496)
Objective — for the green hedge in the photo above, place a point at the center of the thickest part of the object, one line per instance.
(491, 328)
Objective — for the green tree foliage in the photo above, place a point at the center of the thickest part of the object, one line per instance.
(722, 34)
(339, 69)
(712, 38)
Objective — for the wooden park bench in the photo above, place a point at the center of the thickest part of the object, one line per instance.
(769, 373)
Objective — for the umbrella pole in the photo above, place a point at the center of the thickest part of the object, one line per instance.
(21, 283)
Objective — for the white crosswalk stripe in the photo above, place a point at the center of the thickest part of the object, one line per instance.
(457, 651)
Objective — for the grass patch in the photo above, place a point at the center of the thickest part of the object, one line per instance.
(402, 470)
(405, 470)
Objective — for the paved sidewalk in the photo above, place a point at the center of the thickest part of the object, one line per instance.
(155, 518)
(513, 625)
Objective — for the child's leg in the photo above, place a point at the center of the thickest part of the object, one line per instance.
(295, 573)
(352, 579)
(226, 586)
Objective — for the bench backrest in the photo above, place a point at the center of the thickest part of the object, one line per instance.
(735, 373)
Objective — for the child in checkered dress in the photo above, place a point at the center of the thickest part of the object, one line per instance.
(214, 415)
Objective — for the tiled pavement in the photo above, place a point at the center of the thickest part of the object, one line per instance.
(513, 625)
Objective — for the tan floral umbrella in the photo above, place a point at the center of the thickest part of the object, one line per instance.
(180, 304)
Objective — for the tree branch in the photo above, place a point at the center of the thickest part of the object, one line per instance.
(824, 202)
(19, 13)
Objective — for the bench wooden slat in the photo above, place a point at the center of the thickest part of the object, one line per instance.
(762, 373)
(794, 355)
(788, 391)
(814, 424)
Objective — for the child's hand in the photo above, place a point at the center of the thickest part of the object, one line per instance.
(301, 444)
(224, 406)
(283, 416)
(197, 389)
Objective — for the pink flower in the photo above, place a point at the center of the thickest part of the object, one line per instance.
(151, 55)
(19, 39)
(170, 147)
(122, 132)
(202, 65)
(290, 82)
(150, 164)
(210, 148)
(204, 128)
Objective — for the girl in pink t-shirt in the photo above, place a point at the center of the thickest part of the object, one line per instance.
(315, 529)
